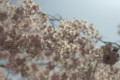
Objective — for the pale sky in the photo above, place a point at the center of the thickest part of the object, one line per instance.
(104, 14)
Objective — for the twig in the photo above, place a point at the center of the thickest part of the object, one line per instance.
(106, 42)
(7, 75)
(42, 64)
(3, 66)
(94, 71)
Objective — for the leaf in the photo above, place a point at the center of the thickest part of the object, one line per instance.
(33, 48)
(96, 35)
(61, 62)
(105, 49)
(67, 52)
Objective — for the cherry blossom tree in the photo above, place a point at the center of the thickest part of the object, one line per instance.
(30, 45)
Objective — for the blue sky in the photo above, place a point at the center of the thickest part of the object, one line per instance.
(104, 14)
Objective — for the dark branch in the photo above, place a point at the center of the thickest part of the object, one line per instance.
(106, 42)
(94, 71)
(3, 66)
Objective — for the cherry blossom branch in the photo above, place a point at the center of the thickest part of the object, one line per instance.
(106, 42)
(94, 71)
(1, 65)
(42, 64)
(7, 74)
(52, 19)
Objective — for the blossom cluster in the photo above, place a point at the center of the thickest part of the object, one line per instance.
(37, 50)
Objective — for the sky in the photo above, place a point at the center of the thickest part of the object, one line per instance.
(104, 14)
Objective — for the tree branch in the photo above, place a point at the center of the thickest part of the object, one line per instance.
(1, 65)
(106, 42)
(94, 71)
